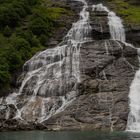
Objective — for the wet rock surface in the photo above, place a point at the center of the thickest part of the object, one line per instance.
(99, 23)
(133, 35)
(103, 94)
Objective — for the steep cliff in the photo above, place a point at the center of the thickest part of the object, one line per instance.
(82, 83)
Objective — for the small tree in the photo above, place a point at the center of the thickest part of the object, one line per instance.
(23, 48)
(34, 41)
(43, 39)
(7, 31)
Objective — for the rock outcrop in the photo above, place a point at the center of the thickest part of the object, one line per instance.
(102, 103)
(108, 68)
(133, 35)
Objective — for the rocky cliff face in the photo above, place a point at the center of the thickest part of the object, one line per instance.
(102, 102)
(107, 68)
(133, 35)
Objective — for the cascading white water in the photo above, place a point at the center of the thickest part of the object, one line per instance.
(116, 27)
(51, 77)
(115, 23)
(118, 33)
(133, 123)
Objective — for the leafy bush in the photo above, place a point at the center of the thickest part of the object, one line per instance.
(7, 31)
(43, 39)
(130, 13)
(34, 42)
(14, 60)
(40, 26)
(12, 12)
(22, 47)
(4, 73)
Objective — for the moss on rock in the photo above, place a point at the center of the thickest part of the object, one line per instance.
(128, 10)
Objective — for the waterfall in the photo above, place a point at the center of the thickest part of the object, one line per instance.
(115, 23)
(50, 78)
(133, 123)
(118, 34)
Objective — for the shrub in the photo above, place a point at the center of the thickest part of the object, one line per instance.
(4, 73)
(22, 46)
(43, 39)
(34, 42)
(14, 60)
(7, 31)
(38, 26)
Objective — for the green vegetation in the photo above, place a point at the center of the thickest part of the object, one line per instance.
(25, 27)
(129, 10)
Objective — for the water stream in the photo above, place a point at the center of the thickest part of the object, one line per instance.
(117, 32)
(72, 135)
(133, 123)
(50, 77)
